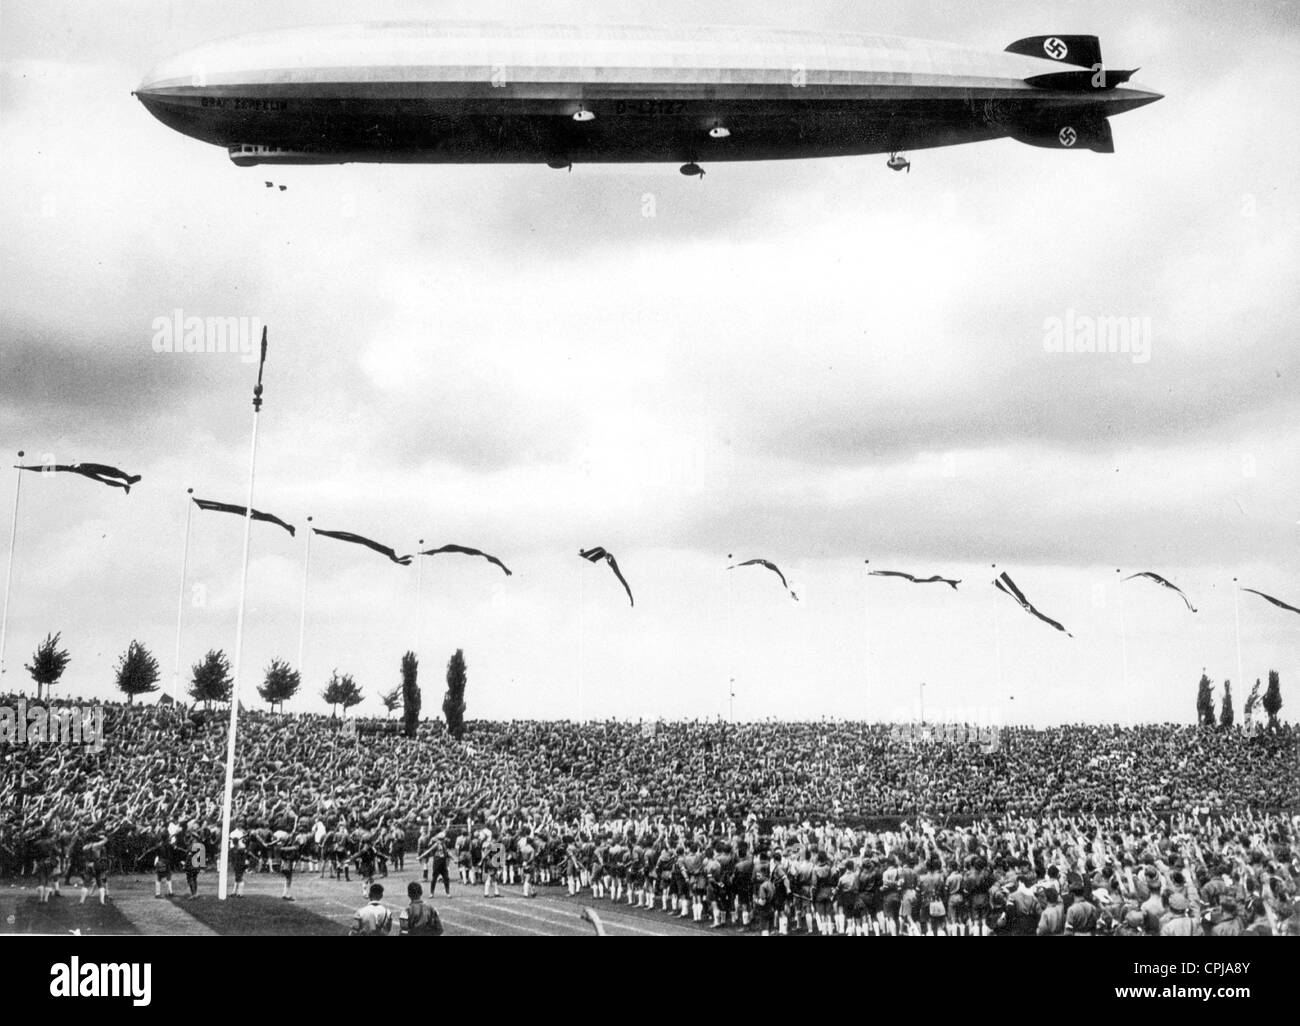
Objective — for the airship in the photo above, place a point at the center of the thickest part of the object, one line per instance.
(465, 93)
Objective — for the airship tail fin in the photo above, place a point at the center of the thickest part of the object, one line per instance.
(1066, 132)
(1081, 81)
(1080, 51)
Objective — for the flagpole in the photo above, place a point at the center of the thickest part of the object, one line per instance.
(866, 632)
(419, 583)
(582, 616)
(9, 573)
(997, 643)
(1123, 634)
(1236, 616)
(302, 620)
(731, 644)
(223, 861)
(180, 596)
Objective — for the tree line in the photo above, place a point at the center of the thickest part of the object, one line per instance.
(1270, 701)
(137, 673)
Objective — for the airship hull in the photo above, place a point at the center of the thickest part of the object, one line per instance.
(480, 94)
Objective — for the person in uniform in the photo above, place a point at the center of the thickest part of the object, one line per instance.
(94, 867)
(340, 848)
(45, 846)
(397, 839)
(423, 843)
(765, 902)
(527, 864)
(464, 865)
(437, 860)
(1051, 921)
(742, 884)
(195, 858)
(164, 861)
(364, 860)
(418, 919)
(1081, 917)
(238, 861)
(290, 852)
(823, 888)
(692, 864)
(847, 899)
(373, 919)
(493, 862)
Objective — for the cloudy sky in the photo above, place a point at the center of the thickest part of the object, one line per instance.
(816, 362)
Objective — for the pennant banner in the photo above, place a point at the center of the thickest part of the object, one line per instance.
(357, 539)
(936, 579)
(1164, 584)
(1004, 583)
(100, 472)
(1269, 598)
(466, 551)
(227, 507)
(598, 555)
(770, 566)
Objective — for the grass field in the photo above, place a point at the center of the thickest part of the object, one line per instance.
(321, 908)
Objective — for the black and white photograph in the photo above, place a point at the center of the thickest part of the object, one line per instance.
(669, 469)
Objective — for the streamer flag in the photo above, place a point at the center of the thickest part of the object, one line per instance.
(936, 579)
(598, 555)
(466, 551)
(1004, 583)
(227, 507)
(1164, 584)
(770, 566)
(1269, 598)
(100, 472)
(357, 539)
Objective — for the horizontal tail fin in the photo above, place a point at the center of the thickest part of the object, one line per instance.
(1080, 51)
(1081, 81)
(1066, 132)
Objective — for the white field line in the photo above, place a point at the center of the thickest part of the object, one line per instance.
(617, 922)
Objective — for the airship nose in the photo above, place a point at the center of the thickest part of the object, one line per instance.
(184, 70)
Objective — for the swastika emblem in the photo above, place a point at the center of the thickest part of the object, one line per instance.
(1055, 48)
(1068, 136)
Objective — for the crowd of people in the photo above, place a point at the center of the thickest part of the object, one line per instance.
(830, 826)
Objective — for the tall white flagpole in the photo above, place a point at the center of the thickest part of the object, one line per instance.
(180, 596)
(1236, 616)
(997, 643)
(419, 579)
(866, 633)
(731, 647)
(1123, 634)
(582, 638)
(223, 860)
(302, 620)
(13, 536)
